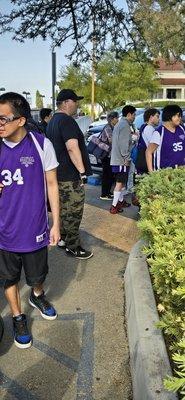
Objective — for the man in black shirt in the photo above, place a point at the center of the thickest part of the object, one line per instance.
(74, 166)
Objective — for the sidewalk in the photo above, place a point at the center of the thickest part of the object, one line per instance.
(83, 355)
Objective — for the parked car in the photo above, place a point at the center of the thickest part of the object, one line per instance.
(103, 118)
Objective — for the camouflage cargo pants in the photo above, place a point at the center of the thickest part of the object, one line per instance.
(72, 197)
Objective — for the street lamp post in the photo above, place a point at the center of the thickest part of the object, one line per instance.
(26, 94)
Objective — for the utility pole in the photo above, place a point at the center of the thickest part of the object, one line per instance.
(53, 78)
(93, 74)
(93, 83)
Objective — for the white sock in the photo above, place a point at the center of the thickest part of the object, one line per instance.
(36, 294)
(116, 198)
(121, 197)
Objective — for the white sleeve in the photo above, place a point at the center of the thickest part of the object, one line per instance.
(50, 159)
(156, 138)
(147, 134)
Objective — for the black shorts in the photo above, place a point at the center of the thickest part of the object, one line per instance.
(122, 175)
(35, 265)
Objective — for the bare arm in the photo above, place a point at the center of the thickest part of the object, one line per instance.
(75, 154)
(1, 188)
(53, 196)
(152, 147)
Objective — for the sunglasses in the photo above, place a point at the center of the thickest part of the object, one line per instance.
(6, 120)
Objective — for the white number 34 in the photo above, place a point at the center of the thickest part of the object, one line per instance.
(9, 178)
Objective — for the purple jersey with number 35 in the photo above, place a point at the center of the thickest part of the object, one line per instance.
(23, 212)
(171, 150)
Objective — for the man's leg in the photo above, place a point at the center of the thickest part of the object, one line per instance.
(74, 193)
(35, 266)
(22, 337)
(72, 198)
(64, 200)
(117, 193)
(118, 201)
(13, 297)
(107, 177)
(130, 183)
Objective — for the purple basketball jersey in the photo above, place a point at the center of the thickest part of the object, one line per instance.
(171, 151)
(23, 212)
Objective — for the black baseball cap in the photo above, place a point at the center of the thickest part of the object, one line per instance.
(68, 94)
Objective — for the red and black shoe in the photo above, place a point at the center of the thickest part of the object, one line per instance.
(115, 209)
(123, 204)
(135, 201)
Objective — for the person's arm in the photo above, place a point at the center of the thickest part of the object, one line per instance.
(53, 196)
(1, 188)
(75, 154)
(107, 133)
(152, 147)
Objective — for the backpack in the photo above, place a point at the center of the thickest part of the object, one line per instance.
(140, 162)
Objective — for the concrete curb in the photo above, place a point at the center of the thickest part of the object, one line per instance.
(148, 355)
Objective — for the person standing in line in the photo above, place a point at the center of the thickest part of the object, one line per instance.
(74, 166)
(27, 167)
(45, 116)
(167, 141)
(151, 121)
(121, 156)
(108, 176)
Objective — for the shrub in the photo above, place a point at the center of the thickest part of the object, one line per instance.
(162, 198)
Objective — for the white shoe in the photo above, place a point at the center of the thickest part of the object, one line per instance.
(62, 244)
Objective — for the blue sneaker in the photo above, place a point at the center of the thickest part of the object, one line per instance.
(46, 309)
(22, 337)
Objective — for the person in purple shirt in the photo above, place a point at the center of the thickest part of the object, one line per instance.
(168, 141)
(27, 171)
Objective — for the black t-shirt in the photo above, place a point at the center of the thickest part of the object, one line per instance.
(60, 129)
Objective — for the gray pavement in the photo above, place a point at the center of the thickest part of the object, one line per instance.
(93, 194)
(83, 355)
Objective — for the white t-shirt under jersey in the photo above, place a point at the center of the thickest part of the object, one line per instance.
(147, 133)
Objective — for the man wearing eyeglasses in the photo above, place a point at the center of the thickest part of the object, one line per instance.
(27, 167)
(74, 167)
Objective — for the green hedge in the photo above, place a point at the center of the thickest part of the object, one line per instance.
(162, 199)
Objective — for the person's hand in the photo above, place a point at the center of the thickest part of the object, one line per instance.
(54, 235)
(127, 163)
(83, 178)
(1, 188)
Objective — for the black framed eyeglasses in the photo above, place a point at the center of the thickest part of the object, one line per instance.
(6, 120)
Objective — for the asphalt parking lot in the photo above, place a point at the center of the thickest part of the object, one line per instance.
(83, 354)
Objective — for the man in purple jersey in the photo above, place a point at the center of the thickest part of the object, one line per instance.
(27, 168)
(168, 141)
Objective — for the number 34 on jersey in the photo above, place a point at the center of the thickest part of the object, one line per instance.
(10, 177)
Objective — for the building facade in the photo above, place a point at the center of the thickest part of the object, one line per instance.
(172, 81)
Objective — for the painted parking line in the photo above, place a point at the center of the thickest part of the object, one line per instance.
(83, 367)
(61, 358)
(15, 390)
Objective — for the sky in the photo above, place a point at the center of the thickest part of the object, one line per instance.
(27, 66)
